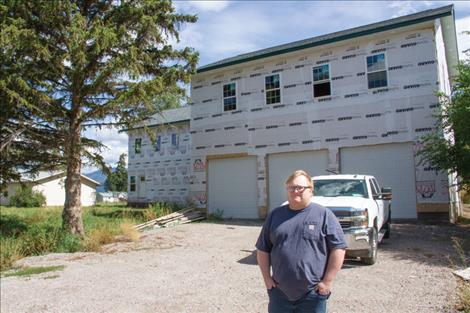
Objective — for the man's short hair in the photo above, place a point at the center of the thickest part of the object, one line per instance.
(298, 173)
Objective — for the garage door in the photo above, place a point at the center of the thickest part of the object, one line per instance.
(392, 165)
(232, 187)
(281, 165)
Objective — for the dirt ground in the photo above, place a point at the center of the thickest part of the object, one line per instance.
(206, 267)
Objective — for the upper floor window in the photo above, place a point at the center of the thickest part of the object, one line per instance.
(230, 97)
(321, 81)
(138, 145)
(158, 143)
(132, 183)
(376, 71)
(175, 140)
(272, 85)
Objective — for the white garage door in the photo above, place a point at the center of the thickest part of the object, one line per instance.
(232, 187)
(281, 165)
(392, 165)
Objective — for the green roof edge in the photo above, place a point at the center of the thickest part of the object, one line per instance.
(335, 39)
(154, 125)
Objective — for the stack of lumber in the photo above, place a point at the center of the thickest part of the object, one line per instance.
(175, 218)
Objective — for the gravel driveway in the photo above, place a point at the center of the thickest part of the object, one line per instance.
(205, 267)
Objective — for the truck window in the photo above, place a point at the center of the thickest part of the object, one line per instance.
(377, 187)
(373, 188)
(340, 187)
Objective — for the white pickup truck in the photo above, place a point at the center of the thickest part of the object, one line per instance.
(362, 208)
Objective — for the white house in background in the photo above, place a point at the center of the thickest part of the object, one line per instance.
(353, 101)
(52, 185)
(111, 197)
(159, 172)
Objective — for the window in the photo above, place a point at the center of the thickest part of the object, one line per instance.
(376, 71)
(375, 192)
(230, 97)
(138, 145)
(158, 143)
(175, 141)
(132, 185)
(272, 85)
(321, 81)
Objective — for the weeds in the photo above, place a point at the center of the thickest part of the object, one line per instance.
(28, 271)
(463, 290)
(130, 232)
(34, 231)
(216, 216)
(97, 238)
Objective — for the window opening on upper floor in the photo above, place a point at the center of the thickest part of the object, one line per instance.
(230, 97)
(272, 84)
(138, 145)
(376, 71)
(321, 81)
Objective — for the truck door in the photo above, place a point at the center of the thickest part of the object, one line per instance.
(377, 195)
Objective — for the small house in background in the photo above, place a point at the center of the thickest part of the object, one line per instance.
(111, 197)
(159, 171)
(52, 186)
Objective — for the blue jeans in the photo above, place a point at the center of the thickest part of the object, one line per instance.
(312, 302)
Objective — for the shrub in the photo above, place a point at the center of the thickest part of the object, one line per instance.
(26, 197)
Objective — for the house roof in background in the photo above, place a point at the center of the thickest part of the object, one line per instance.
(44, 175)
(166, 117)
(398, 22)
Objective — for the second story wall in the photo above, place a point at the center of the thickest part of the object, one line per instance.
(159, 171)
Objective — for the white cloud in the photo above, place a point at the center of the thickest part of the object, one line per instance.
(201, 5)
(115, 142)
(218, 36)
(463, 40)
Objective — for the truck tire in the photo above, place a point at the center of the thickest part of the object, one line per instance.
(374, 242)
(388, 225)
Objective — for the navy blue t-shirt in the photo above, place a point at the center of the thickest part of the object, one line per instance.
(299, 243)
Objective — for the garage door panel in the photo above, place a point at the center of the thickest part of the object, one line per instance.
(232, 187)
(392, 165)
(281, 165)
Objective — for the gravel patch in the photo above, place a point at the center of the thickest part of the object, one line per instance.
(205, 267)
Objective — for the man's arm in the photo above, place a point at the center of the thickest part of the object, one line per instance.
(335, 261)
(264, 263)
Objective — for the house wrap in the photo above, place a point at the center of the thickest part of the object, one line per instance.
(354, 101)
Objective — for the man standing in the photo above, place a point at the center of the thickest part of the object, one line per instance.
(304, 244)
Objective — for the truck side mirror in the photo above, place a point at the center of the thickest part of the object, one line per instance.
(386, 193)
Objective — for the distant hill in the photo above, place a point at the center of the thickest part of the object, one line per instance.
(100, 177)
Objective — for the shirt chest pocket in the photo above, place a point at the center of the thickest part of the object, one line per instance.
(311, 230)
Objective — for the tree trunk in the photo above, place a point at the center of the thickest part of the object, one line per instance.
(72, 214)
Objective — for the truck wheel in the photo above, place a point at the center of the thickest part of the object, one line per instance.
(388, 225)
(374, 241)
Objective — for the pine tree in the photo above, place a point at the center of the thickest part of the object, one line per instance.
(70, 65)
(117, 179)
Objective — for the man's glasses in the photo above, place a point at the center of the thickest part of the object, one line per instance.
(297, 188)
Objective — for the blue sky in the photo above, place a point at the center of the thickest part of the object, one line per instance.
(228, 28)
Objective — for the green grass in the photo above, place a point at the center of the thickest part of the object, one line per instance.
(28, 271)
(35, 231)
